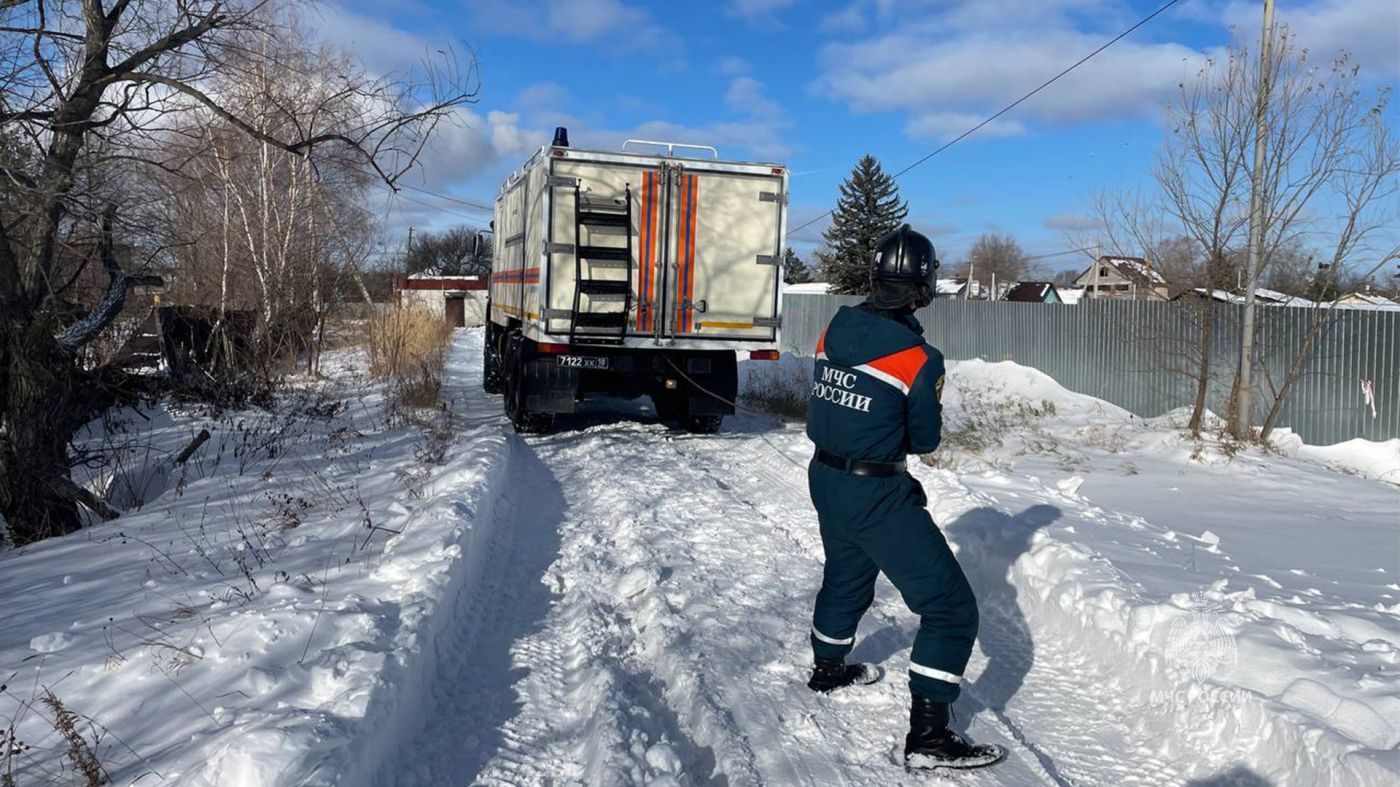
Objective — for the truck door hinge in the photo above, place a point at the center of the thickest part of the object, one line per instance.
(562, 181)
(767, 259)
(767, 322)
(561, 248)
(772, 196)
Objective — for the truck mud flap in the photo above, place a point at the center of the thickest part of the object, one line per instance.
(719, 375)
(549, 387)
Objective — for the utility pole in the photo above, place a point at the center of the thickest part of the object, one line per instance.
(1245, 398)
(408, 249)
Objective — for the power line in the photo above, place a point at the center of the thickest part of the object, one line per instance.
(1016, 103)
(439, 208)
(1058, 254)
(459, 200)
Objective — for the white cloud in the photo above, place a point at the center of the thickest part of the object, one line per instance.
(378, 44)
(946, 125)
(746, 96)
(573, 21)
(946, 64)
(755, 127)
(1367, 29)
(732, 66)
(941, 63)
(849, 20)
(508, 138)
(757, 10)
(542, 96)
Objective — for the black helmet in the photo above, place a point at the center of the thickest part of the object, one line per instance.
(905, 266)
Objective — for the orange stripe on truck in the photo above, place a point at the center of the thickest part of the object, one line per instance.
(685, 287)
(642, 252)
(694, 217)
(681, 225)
(651, 187)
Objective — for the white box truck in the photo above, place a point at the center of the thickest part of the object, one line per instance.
(642, 272)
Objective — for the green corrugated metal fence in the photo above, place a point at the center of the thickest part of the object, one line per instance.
(1142, 355)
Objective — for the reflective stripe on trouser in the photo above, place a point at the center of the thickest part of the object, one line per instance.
(873, 525)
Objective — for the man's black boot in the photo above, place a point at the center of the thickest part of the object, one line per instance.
(831, 674)
(930, 744)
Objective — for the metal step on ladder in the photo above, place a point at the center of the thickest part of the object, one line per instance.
(602, 218)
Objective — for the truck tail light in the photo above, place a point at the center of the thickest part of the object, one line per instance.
(550, 348)
(764, 355)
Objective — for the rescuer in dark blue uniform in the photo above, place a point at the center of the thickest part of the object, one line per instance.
(875, 399)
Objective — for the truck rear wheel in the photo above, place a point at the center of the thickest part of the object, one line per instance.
(521, 417)
(493, 373)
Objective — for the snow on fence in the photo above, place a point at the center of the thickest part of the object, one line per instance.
(1138, 354)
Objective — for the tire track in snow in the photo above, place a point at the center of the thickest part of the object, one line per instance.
(498, 607)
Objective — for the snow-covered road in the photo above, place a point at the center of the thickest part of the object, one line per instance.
(642, 614)
(645, 619)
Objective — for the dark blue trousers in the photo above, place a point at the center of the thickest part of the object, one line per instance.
(872, 525)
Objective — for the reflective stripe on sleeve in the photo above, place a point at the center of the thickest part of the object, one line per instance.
(831, 640)
(936, 674)
(884, 377)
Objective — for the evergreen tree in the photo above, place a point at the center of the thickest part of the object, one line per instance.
(869, 207)
(795, 271)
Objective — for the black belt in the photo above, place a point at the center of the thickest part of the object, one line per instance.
(859, 466)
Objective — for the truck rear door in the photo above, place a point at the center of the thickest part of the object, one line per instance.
(723, 247)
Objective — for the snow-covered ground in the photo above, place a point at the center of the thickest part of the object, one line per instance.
(617, 603)
(272, 608)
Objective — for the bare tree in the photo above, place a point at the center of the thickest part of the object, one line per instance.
(1201, 187)
(1329, 182)
(459, 251)
(1365, 182)
(93, 93)
(995, 257)
(1326, 144)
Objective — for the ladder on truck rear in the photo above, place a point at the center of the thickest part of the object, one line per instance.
(601, 217)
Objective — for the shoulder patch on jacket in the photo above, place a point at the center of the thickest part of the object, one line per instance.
(897, 369)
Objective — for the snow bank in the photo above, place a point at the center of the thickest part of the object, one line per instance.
(1366, 458)
(267, 614)
(1231, 592)
(1245, 600)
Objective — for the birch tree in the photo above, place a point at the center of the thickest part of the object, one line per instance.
(93, 94)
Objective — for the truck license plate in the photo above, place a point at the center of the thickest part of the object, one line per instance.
(583, 361)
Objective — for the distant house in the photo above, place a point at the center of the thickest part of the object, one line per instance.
(1033, 292)
(1130, 278)
(1366, 298)
(1262, 295)
(460, 300)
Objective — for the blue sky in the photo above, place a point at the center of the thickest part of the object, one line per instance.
(815, 85)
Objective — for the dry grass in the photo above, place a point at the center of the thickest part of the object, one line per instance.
(80, 755)
(410, 346)
(783, 391)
